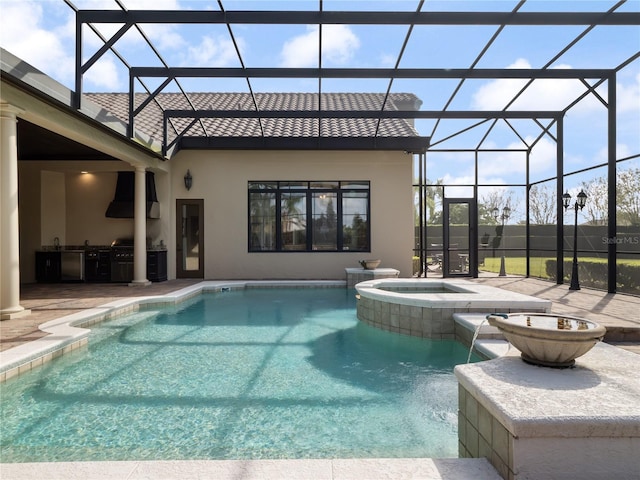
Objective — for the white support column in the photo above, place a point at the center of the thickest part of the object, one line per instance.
(140, 229)
(9, 225)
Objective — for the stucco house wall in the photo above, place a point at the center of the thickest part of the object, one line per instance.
(220, 178)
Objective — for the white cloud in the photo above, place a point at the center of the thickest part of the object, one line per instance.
(462, 179)
(622, 151)
(43, 35)
(495, 166)
(388, 60)
(500, 167)
(543, 155)
(104, 74)
(212, 52)
(501, 163)
(462, 191)
(51, 50)
(495, 94)
(338, 45)
(163, 36)
(22, 34)
(542, 94)
(628, 96)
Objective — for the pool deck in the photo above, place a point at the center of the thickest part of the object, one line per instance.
(316, 469)
(619, 313)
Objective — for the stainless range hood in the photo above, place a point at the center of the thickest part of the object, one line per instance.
(122, 205)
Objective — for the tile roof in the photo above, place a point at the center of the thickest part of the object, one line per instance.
(149, 120)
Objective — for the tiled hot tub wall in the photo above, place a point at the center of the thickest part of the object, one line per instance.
(418, 321)
(425, 308)
(407, 319)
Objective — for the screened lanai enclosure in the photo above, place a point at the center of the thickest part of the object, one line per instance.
(522, 106)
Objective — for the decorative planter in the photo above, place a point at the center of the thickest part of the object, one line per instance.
(370, 264)
(546, 339)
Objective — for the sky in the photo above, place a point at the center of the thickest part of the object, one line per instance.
(42, 32)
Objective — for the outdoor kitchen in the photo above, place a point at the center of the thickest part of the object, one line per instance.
(105, 263)
(97, 263)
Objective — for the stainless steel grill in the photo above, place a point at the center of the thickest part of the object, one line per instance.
(122, 260)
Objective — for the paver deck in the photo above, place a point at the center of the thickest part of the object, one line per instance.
(619, 313)
(50, 301)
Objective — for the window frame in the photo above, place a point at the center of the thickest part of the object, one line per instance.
(310, 188)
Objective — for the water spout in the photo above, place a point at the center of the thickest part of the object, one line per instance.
(475, 337)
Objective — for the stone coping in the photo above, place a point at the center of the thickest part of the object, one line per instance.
(491, 348)
(473, 321)
(374, 272)
(70, 330)
(599, 397)
(467, 295)
(312, 469)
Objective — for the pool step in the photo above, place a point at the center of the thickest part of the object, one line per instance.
(490, 343)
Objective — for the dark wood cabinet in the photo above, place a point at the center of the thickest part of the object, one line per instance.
(157, 265)
(97, 266)
(48, 267)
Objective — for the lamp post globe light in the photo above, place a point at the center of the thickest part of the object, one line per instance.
(506, 213)
(581, 201)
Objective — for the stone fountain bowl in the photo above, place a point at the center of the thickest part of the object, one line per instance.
(546, 339)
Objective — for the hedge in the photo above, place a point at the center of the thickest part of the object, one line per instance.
(594, 275)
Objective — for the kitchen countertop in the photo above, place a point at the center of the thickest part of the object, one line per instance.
(83, 248)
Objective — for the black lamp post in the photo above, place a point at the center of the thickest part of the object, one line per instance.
(506, 213)
(581, 201)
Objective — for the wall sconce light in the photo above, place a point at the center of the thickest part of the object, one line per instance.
(188, 180)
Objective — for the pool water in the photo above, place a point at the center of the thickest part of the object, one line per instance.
(245, 374)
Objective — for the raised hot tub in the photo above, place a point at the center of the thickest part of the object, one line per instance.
(424, 307)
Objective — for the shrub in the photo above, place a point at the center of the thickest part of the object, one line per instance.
(594, 274)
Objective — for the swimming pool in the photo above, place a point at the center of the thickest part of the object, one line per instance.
(244, 374)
